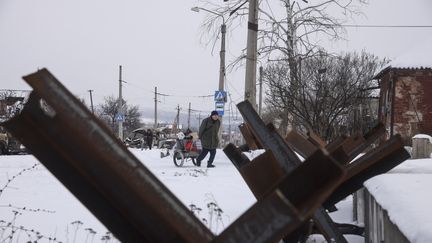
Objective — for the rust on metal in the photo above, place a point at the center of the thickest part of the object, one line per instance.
(336, 142)
(379, 160)
(98, 169)
(365, 141)
(291, 202)
(269, 138)
(343, 150)
(236, 156)
(288, 161)
(250, 139)
(300, 144)
(262, 174)
(315, 139)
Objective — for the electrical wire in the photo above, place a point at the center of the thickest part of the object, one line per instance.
(378, 26)
(171, 95)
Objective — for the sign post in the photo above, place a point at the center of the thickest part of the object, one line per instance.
(220, 98)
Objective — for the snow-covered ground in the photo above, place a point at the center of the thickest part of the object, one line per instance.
(32, 200)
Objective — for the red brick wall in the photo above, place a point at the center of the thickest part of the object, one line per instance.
(412, 105)
(385, 102)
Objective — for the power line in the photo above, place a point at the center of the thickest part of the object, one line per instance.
(382, 26)
(171, 95)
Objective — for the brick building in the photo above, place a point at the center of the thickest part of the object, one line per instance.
(405, 104)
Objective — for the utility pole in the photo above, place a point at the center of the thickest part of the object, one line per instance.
(229, 125)
(155, 109)
(91, 100)
(177, 118)
(199, 120)
(251, 53)
(260, 93)
(222, 71)
(189, 113)
(222, 59)
(120, 106)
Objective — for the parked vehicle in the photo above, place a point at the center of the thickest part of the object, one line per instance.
(137, 139)
(10, 145)
(3, 143)
(167, 143)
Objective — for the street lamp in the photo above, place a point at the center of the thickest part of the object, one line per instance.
(222, 51)
(222, 56)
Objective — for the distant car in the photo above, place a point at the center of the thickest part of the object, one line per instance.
(136, 139)
(3, 143)
(166, 143)
(10, 145)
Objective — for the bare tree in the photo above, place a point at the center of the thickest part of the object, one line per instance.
(288, 30)
(327, 93)
(109, 109)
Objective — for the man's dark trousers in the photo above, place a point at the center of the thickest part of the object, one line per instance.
(203, 154)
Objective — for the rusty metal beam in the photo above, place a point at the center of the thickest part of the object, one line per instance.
(300, 144)
(343, 149)
(251, 142)
(292, 202)
(288, 161)
(336, 143)
(236, 156)
(365, 141)
(380, 160)
(262, 174)
(98, 169)
(316, 139)
(269, 138)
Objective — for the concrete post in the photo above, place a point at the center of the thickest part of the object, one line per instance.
(421, 146)
(251, 53)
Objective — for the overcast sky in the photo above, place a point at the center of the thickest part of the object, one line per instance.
(82, 42)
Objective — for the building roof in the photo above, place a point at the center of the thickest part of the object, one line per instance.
(388, 68)
(417, 57)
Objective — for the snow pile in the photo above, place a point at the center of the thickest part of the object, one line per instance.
(424, 136)
(405, 193)
(33, 199)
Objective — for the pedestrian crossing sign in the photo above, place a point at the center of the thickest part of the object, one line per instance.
(220, 95)
(119, 117)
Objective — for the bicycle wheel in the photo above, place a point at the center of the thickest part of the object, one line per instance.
(178, 158)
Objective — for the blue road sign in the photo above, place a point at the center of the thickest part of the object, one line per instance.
(119, 117)
(219, 105)
(220, 95)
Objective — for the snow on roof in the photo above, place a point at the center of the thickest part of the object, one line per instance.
(423, 136)
(405, 193)
(419, 55)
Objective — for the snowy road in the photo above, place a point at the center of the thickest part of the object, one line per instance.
(35, 200)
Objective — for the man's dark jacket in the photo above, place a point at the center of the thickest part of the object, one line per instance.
(208, 133)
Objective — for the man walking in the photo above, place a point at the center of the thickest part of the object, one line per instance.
(208, 133)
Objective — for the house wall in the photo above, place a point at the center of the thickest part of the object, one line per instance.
(406, 102)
